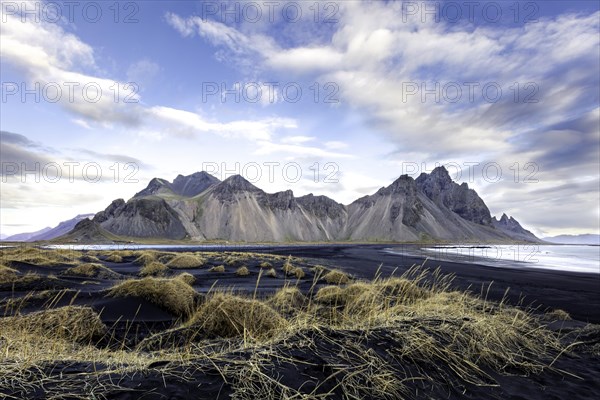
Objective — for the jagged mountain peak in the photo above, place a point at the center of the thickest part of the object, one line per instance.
(238, 182)
(441, 172)
(439, 176)
(511, 226)
(404, 184)
(155, 186)
(188, 186)
(439, 187)
(507, 220)
(194, 184)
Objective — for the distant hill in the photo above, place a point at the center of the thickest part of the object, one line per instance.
(587, 238)
(26, 236)
(49, 233)
(87, 231)
(201, 207)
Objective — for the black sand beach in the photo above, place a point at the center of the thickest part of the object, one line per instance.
(140, 326)
(577, 293)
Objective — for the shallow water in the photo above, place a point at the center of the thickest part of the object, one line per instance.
(134, 246)
(571, 258)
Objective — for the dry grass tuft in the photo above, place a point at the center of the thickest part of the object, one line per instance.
(336, 277)
(242, 271)
(220, 268)
(153, 268)
(20, 282)
(271, 273)
(114, 257)
(173, 295)
(319, 270)
(265, 264)
(187, 278)
(299, 273)
(38, 256)
(92, 270)
(88, 258)
(232, 260)
(288, 268)
(288, 299)
(78, 324)
(225, 315)
(7, 274)
(186, 261)
(145, 257)
(558, 314)
(330, 295)
(403, 290)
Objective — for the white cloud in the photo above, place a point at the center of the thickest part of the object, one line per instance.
(297, 139)
(142, 71)
(336, 145)
(185, 123)
(49, 55)
(267, 148)
(373, 54)
(82, 123)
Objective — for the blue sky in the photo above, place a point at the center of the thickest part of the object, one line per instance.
(364, 116)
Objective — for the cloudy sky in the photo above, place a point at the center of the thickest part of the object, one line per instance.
(334, 98)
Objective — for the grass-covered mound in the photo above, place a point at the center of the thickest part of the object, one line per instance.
(114, 257)
(12, 280)
(218, 268)
(173, 295)
(242, 271)
(225, 315)
(153, 268)
(92, 270)
(71, 323)
(186, 261)
(7, 274)
(37, 256)
(336, 277)
(145, 257)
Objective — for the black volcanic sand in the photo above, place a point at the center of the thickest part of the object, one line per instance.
(132, 319)
(576, 293)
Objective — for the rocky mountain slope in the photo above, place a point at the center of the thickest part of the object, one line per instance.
(200, 207)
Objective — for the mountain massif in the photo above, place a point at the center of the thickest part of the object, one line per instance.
(201, 207)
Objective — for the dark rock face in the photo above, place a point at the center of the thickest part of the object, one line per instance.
(142, 217)
(187, 186)
(110, 211)
(405, 202)
(226, 190)
(279, 201)
(155, 186)
(404, 186)
(439, 187)
(321, 206)
(88, 231)
(193, 185)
